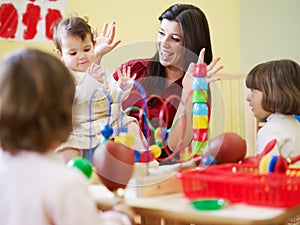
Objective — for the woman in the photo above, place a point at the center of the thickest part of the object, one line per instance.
(183, 33)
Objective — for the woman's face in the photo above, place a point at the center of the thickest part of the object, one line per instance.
(169, 44)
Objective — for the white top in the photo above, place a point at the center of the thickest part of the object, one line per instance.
(286, 130)
(36, 189)
(86, 86)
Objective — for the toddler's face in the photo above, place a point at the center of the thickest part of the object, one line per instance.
(77, 54)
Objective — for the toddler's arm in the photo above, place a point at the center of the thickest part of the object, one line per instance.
(101, 74)
(124, 76)
(114, 87)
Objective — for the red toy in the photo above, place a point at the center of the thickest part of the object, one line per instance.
(256, 159)
(275, 163)
(114, 163)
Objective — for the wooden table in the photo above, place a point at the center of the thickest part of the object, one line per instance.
(175, 209)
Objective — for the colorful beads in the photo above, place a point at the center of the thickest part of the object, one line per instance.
(199, 95)
(107, 131)
(264, 164)
(200, 109)
(160, 134)
(126, 139)
(200, 118)
(156, 150)
(208, 160)
(146, 156)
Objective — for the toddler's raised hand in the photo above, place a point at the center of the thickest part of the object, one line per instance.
(124, 75)
(105, 42)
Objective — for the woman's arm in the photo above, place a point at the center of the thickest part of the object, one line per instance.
(182, 123)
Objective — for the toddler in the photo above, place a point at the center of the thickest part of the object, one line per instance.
(75, 45)
(36, 96)
(274, 95)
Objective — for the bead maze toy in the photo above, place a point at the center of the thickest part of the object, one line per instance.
(200, 125)
(114, 159)
(200, 118)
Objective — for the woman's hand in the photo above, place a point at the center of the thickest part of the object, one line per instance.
(212, 69)
(187, 84)
(105, 42)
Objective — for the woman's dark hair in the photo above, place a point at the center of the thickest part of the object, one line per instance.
(279, 81)
(195, 34)
(36, 97)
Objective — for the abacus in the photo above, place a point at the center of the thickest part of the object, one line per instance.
(200, 120)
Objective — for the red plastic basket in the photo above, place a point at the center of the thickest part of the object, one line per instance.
(242, 183)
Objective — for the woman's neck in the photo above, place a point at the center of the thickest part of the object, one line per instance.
(173, 73)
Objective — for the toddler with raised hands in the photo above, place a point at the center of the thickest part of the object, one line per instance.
(77, 48)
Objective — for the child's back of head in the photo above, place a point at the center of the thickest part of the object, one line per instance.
(36, 96)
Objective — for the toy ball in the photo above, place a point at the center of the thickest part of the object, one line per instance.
(114, 164)
(125, 139)
(137, 156)
(156, 149)
(82, 164)
(107, 131)
(160, 134)
(147, 156)
(226, 148)
(208, 160)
